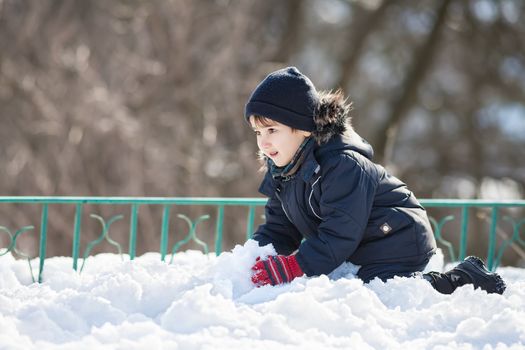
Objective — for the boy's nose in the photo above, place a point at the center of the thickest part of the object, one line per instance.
(264, 143)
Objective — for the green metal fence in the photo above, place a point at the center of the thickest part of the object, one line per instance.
(498, 240)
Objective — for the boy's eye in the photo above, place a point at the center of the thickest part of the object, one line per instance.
(256, 132)
(271, 130)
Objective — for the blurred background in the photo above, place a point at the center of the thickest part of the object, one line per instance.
(146, 98)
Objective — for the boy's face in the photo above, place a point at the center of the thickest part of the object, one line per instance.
(278, 141)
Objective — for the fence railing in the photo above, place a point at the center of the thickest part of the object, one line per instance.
(491, 211)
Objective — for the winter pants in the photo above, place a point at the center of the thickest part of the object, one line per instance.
(440, 281)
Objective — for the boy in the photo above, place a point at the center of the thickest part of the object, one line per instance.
(329, 203)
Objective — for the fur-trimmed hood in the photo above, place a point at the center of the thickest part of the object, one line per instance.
(331, 117)
(334, 125)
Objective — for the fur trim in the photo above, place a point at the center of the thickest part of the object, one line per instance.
(332, 116)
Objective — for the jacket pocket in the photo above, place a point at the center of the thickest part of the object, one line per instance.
(386, 225)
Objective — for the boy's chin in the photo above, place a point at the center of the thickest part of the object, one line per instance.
(277, 162)
(280, 164)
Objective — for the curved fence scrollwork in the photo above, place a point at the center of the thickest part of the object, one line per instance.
(12, 245)
(103, 236)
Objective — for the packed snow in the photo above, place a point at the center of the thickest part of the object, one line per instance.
(206, 302)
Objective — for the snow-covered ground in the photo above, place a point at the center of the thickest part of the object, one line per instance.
(208, 302)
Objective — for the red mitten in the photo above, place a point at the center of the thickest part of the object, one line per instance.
(276, 270)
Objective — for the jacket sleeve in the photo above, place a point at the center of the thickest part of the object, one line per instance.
(277, 229)
(347, 194)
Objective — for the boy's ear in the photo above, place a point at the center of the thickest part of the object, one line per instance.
(306, 133)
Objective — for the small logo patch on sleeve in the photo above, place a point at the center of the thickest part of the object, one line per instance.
(386, 228)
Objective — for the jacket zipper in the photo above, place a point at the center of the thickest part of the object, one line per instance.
(310, 198)
(282, 204)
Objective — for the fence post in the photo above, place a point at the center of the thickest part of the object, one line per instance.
(218, 236)
(76, 235)
(249, 226)
(43, 241)
(164, 232)
(464, 227)
(492, 238)
(133, 231)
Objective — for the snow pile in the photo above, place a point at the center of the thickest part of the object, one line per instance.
(208, 302)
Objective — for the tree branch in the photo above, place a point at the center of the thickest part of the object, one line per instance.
(388, 132)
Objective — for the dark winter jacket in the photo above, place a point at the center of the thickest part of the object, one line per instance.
(341, 206)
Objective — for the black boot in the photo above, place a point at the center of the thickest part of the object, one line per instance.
(470, 271)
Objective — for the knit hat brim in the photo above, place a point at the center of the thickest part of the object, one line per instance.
(279, 114)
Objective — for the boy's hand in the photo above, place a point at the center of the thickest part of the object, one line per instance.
(276, 270)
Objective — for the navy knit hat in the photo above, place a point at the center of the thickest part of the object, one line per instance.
(286, 96)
